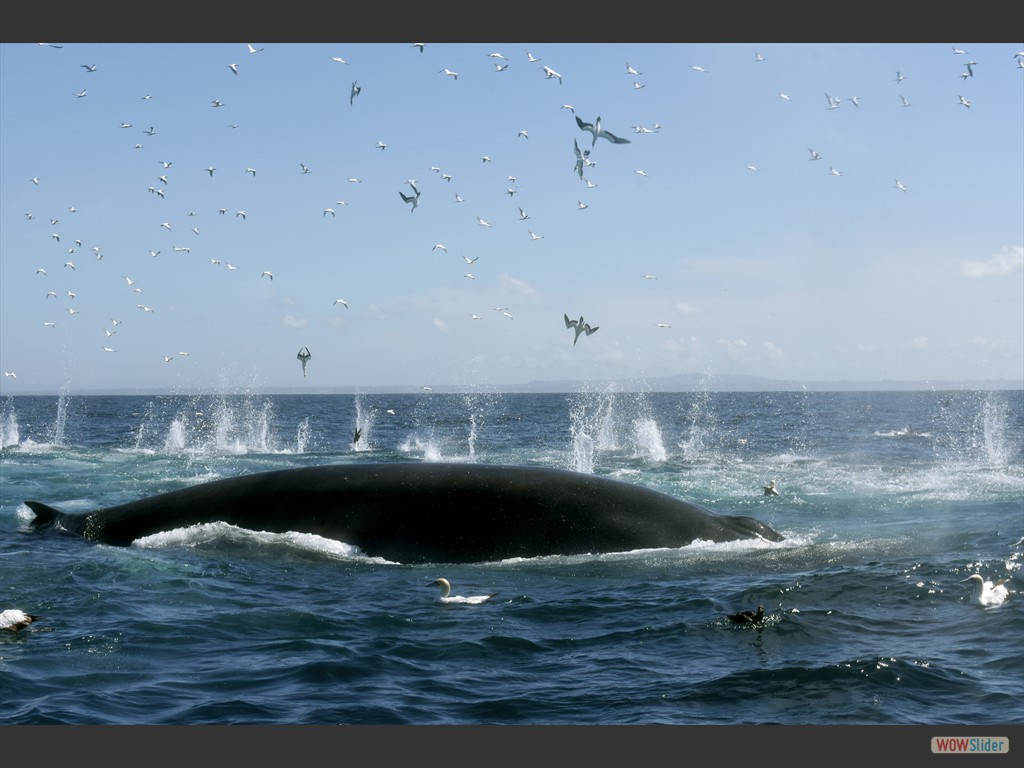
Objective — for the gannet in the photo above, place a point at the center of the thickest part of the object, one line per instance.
(550, 73)
(748, 617)
(581, 156)
(580, 326)
(596, 130)
(448, 597)
(414, 199)
(12, 619)
(986, 593)
(304, 357)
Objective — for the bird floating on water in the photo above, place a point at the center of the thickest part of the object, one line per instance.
(14, 620)
(748, 617)
(448, 597)
(770, 490)
(987, 593)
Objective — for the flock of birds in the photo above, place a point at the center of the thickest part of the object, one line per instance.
(985, 593)
(582, 162)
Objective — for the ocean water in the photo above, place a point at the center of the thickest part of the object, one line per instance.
(888, 500)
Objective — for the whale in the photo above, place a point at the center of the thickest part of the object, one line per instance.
(425, 512)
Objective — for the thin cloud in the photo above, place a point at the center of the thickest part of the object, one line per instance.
(1007, 262)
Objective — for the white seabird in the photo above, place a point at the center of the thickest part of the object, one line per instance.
(769, 490)
(304, 358)
(356, 89)
(581, 156)
(580, 326)
(987, 593)
(597, 131)
(414, 199)
(550, 73)
(13, 620)
(448, 597)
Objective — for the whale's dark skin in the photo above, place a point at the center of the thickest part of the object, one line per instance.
(426, 512)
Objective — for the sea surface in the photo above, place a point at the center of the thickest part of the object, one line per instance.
(888, 500)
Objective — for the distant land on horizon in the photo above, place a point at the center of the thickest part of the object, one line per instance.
(687, 382)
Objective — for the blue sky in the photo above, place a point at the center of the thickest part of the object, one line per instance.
(701, 264)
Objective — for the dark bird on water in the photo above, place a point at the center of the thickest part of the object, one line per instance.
(748, 617)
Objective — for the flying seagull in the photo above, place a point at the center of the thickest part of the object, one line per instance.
(304, 357)
(596, 130)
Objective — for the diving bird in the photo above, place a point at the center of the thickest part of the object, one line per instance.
(580, 326)
(769, 490)
(414, 199)
(356, 90)
(581, 157)
(987, 593)
(597, 131)
(448, 597)
(304, 357)
(14, 620)
(748, 617)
